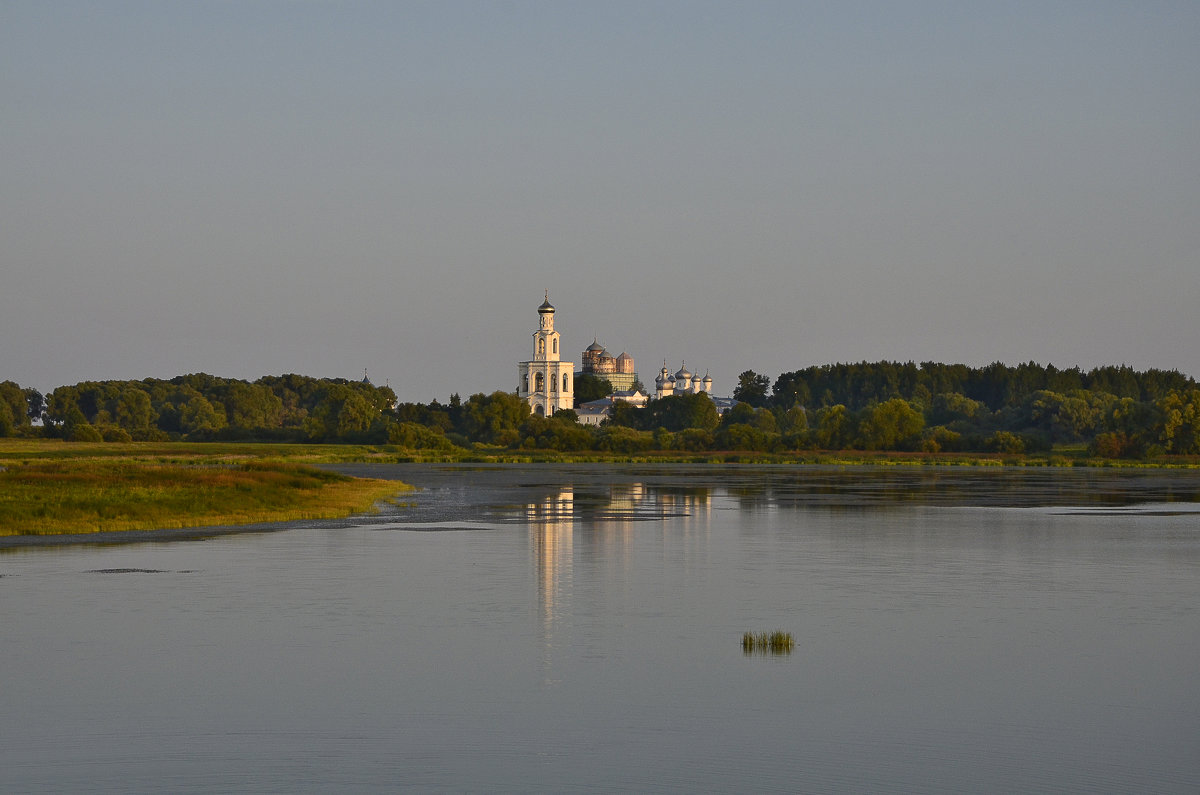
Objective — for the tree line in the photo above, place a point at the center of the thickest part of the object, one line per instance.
(1115, 411)
(1112, 411)
(202, 407)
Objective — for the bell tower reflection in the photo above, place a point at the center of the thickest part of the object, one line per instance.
(613, 522)
(551, 529)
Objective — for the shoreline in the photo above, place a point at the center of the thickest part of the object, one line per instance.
(502, 493)
(116, 537)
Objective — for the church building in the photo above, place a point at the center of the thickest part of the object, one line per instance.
(545, 381)
(619, 370)
(682, 383)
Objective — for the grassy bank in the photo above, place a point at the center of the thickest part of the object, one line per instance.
(16, 450)
(28, 450)
(54, 488)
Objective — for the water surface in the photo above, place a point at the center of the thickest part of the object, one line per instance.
(578, 629)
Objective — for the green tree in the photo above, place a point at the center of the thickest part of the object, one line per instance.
(678, 412)
(692, 440)
(200, 416)
(83, 432)
(1135, 421)
(591, 387)
(790, 391)
(418, 437)
(566, 416)
(494, 418)
(940, 438)
(58, 406)
(1180, 424)
(555, 433)
(115, 434)
(835, 428)
(948, 407)
(752, 388)
(764, 420)
(252, 406)
(742, 436)
(1006, 442)
(36, 404)
(619, 439)
(1116, 444)
(794, 420)
(133, 411)
(742, 413)
(1120, 381)
(342, 413)
(1074, 416)
(6, 419)
(629, 416)
(795, 431)
(297, 393)
(14, 411)
(891, 425)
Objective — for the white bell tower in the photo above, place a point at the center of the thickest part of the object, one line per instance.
(545, 380)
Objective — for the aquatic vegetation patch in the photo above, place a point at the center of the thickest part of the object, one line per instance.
(777, 642)
(126, 571)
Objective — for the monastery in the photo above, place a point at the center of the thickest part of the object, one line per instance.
(546, 382)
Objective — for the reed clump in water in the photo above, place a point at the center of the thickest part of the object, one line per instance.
(777, 642)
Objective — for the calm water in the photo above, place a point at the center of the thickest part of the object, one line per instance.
(578, 629)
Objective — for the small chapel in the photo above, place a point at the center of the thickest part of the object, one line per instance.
(544, 382)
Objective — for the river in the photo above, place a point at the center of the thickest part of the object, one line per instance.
(578, 629)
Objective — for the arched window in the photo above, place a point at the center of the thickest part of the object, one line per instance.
(541, 411)
(556, 346)
(541, 347)
(525, 383)
(553, 385)
(566, 383)
(538, 384)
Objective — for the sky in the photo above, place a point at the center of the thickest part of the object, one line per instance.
(254, 188)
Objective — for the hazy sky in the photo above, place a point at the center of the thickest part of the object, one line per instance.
(251, 188)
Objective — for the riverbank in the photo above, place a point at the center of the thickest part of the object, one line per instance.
(26, 450)
(51, 488)
(62, 489)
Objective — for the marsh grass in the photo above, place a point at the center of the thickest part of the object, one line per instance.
(777, 642)
(12, 450)
(18, 450)
(93, 495)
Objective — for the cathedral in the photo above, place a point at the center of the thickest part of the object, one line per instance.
(682, 383)
(619, 370)
(545, 381)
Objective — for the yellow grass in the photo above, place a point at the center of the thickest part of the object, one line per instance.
(52, 488)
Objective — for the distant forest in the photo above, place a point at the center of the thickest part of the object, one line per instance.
(1112, 412)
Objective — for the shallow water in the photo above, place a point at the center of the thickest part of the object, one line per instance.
(578, 629)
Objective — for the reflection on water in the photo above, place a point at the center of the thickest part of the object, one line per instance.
(551, 531)
(620, 502)
(639, 492)
(611, 515)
